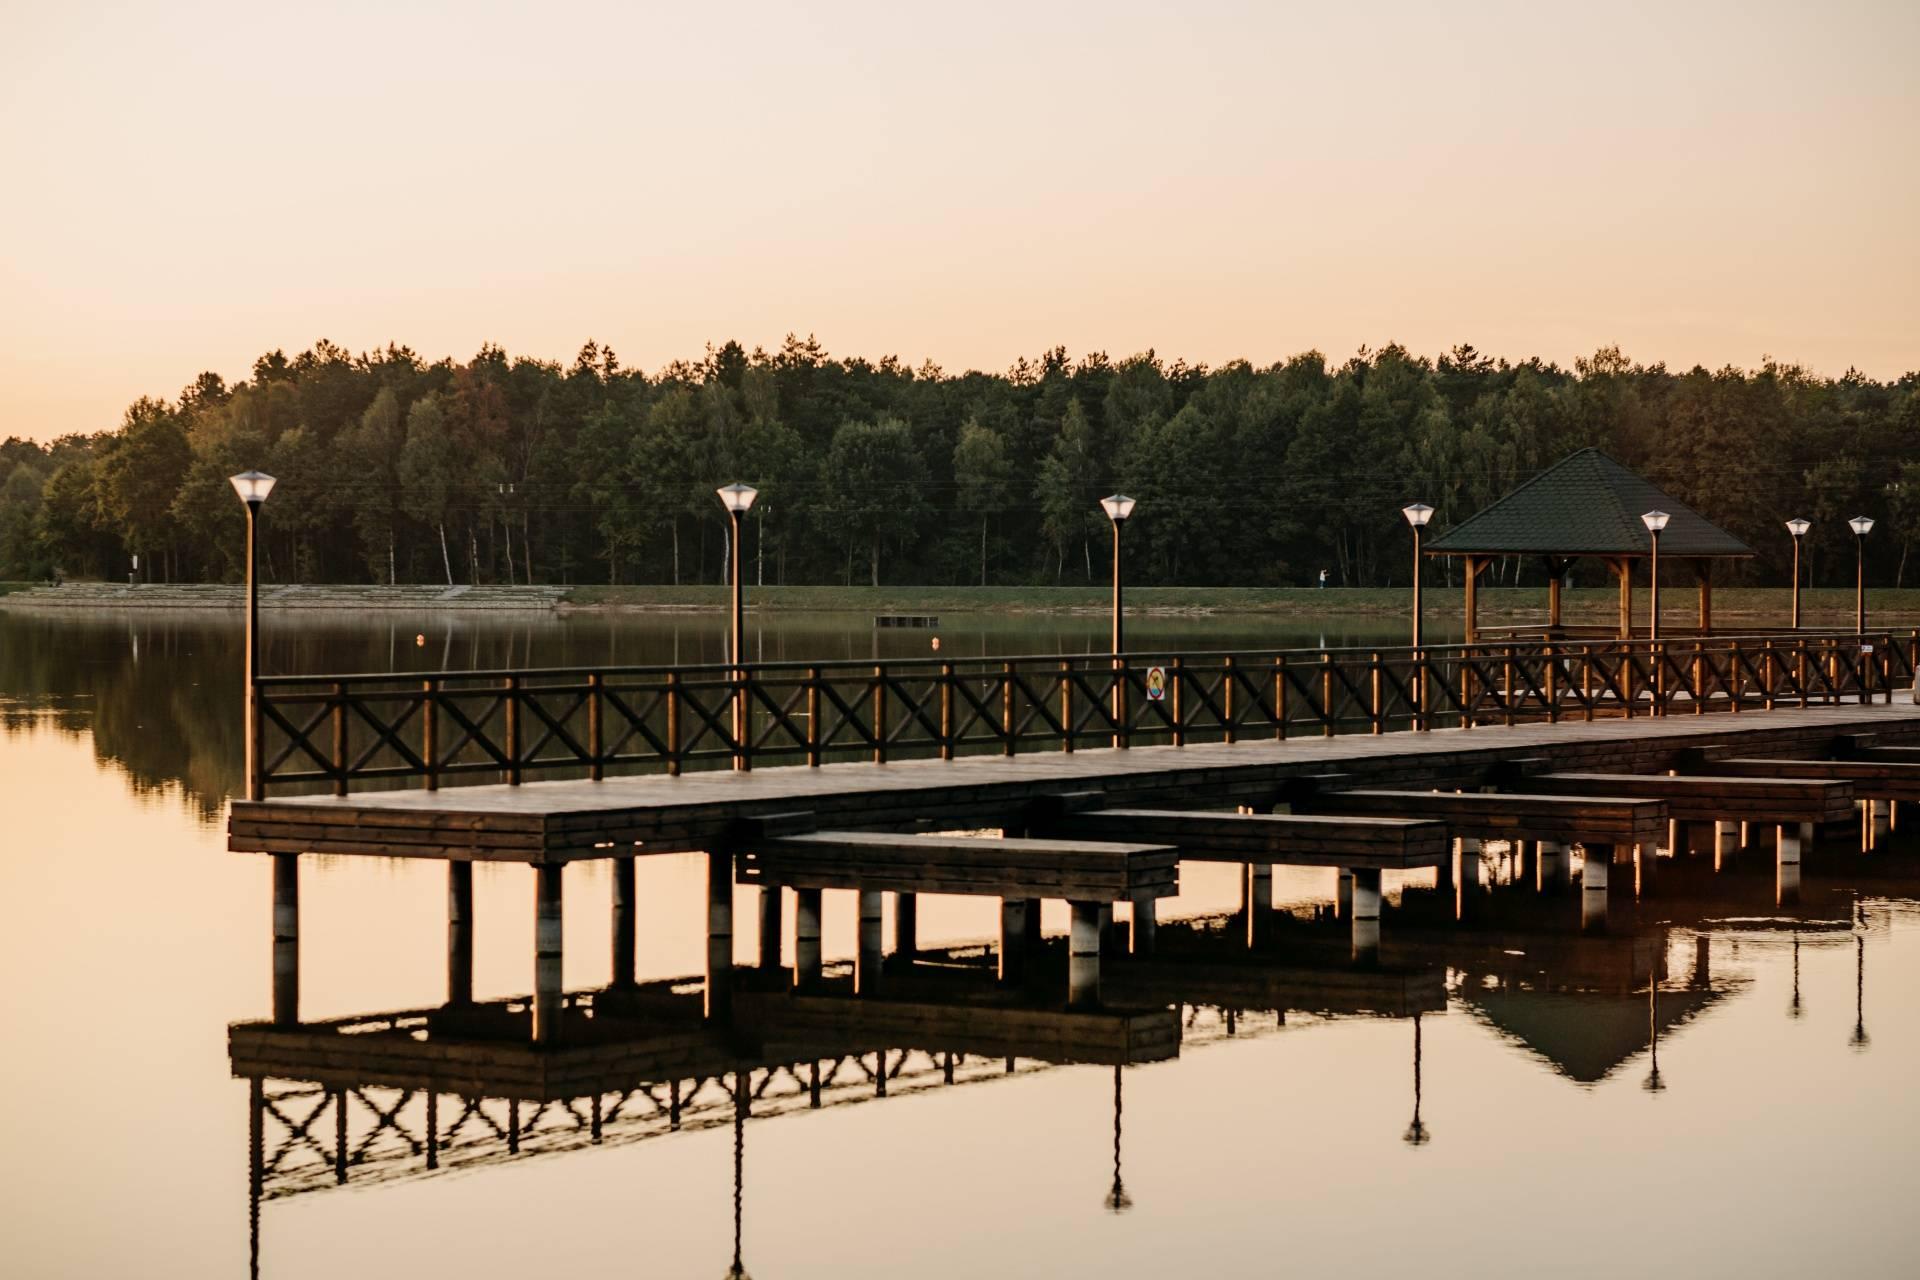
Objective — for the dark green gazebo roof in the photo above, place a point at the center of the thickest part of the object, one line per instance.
(1586, 505)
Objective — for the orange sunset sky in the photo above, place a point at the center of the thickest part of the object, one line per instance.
(190, 184)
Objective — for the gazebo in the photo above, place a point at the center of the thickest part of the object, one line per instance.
(1586, 505)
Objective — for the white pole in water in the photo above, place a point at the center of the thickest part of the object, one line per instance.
(866, 972)
(1786, 861)
(1593, 886)
(806, 936)
(1083, 955)
(719, 934)
(547, 934)
(1366, 914)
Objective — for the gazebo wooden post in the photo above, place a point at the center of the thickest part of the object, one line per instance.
(1556, 569)
(1705, 569)
(1474, 564)
(1624, 567)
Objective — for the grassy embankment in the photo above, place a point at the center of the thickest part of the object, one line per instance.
(1598, 605)
(7, 588)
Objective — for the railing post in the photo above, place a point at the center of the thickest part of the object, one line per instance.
(1326, 695)
(1008, 723)
(1174, 682)
(1657, 650)
(673, 723)
(430, 731)
(1379, 710)
(513, 730)
(596, 734)
(1066, 706)
(1226, 697)
(339, 717)
(1422, 675)
(879, 714)
(1122, 730)
(946, 711)
(1506, 684)
(1280, 698)
(813, 717)
(1769, 675)
(1732, 679)
(1586, 680)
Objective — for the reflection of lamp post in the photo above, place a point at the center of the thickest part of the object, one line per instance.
(1417, 515)
(1794, 1010)
(1861, 526)
(253, 488)
(1655, 522)
(742, 1095)
(1860, 1039)
(738, 498)
(1417, 1134)
(1653, 1083)
(1798, 528)
(1117, 1201)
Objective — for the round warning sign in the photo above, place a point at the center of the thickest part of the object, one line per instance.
(1156, 683)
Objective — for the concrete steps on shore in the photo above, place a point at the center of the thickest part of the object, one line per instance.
(108, 595)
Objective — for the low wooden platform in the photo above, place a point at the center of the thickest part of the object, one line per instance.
(1593, 819)
(1258, 982)
(560, 821)
(1294, 840)
(1074, 870)
(1871, 779)
(1694, 798)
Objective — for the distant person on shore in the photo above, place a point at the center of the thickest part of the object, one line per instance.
(1323, 579)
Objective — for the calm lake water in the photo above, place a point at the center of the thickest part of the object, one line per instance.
(1781, 1140)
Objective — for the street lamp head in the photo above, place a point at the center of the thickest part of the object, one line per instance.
(252, 486)
(1418, 514)
(737, 497)
(1118, 507)
(1798, 527)
(1655, 520)
(1862, 525)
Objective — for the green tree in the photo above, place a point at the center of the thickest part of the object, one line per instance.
(876, 486)
(983, 477)
(428, 463)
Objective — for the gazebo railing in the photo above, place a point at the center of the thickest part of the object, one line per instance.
(335, 732)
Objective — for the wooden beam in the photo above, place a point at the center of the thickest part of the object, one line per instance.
(1076, 870)
(1871, 779)
(1496, 816)
(1692, 798)
(1294, 840)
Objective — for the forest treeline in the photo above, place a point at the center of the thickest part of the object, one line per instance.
(512, 469)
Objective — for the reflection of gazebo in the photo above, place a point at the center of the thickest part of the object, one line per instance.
(1586, 505)
(1587, 1036)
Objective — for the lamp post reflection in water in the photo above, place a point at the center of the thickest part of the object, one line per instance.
(1417, 1134)
(1117, 1201)
(1654, 1083)
(1860, 1039)
(742, 1100)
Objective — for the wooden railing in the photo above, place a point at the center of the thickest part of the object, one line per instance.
(331, 732)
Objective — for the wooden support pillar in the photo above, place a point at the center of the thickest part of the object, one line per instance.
(866, 967)
(1593, 886)
(459, 933)
(547, 934)
(1019, 937)
(1366, 915)
(1882, 814)
(1524, 859)
(1256, 901)
(1083, 956)
(1623, 568)
(906, 927)
(1726, 842)
(1705, 569)
(1786, 863)
(719, 934)
(1556, 867)
(1146, 924)
(625, 923)
(1343, 893)
(772, 925)
(806, 937)
(1472, 621)
(286, 938)
(1556, 571)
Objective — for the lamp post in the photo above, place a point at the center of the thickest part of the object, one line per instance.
(253, 488)
(1119, 508)
(1655, 522)
(1861, 526)
(1417, 515)
(738, 499)
(1798, 528)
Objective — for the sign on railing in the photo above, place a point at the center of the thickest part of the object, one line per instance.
(330, 732)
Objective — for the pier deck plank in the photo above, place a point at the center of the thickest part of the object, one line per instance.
(1694, 798)
(567, 820)
(1602, 819)
(1074, 870)
(1293, 840)
(1871, 779)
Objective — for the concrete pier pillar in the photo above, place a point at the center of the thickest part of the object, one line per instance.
(286, 938)
(1525, 858)
(1646, 868)
(772, 925)
(906, 927)
(1806, 836)
(1260, 886)
(1726, 842)
(1366, 915)
(1343, 893)
(806, 937)
(1556, 866)
(1019, 937)
(1786, 862)
(459, 933)
(546, 953)
(1882, 813)
(1593, 886)
(866, 968)
(625, 923)
(1083, 956)
(719, 934)
(1146, 925)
